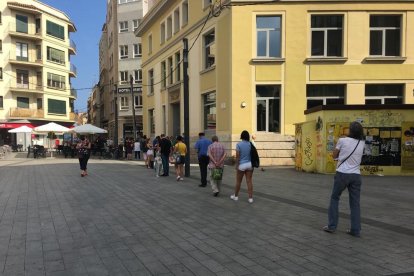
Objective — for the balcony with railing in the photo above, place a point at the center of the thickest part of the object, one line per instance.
(73, 70)
(72, 47)
(28, 59)
(25, 86)
(18, 112)
(28, 31)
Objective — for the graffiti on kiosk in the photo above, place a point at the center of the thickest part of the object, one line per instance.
(383, 118)
(308, 152)
(371, 169)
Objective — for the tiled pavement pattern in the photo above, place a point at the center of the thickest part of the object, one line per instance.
(121, 220)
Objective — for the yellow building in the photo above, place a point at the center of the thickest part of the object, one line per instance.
(258, 66)
(35, 67)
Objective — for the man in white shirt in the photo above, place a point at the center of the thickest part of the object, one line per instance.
(348, 151)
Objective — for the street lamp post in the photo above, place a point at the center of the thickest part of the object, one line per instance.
(131, 81)
(116, 121)
(186, 107)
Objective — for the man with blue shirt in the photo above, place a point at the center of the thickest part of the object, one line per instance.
(202, 147)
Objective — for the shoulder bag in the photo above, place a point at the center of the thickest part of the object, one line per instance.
(349, 155)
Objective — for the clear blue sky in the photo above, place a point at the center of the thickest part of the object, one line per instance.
(88, 17)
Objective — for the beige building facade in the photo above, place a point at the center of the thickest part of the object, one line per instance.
(260, 66)
(35, 67)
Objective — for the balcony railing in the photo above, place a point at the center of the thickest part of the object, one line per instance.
(73, 46)
(29, 30)
(73, 69)
(17, 112)
(30, 59)
(25, 86)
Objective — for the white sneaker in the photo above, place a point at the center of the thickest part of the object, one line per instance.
(181, 179)
(250, 200)
(233, 197)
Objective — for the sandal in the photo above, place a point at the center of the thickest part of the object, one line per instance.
(327, 229)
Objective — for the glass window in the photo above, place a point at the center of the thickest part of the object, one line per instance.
(151, 121)
(209, 49)
(22, 51)
(384, 93)
(136, 23)
(39, 102)
(385, 35)
(56, 107)
(124, 103)
(22, 102)
(138, 101)
(177, 66)
(210, 111)
(55, 30)
(1, 73)
(176, 20)
(22, 24)
(137, 50)
(268, 108)
(1, 45)
(56, 81)
(169, 27)
(22, 78)
(162, 32)
(1, 102)
(150, 44)
(163, 74)
(268, 36)
(170, 70)
(138, 76)
(123, 26)
(151, 81)
(124, 76)
(325, 94)
(185, 12)
(55, 55)
(123, 52)
(327, 35)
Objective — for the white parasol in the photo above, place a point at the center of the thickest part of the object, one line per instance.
(22, 129)
(88, 129)
(51, 127)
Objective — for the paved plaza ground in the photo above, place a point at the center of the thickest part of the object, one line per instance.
(121, 220)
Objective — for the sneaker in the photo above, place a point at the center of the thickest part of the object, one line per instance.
(327, 229)
(181, 179)
(233, 197)
(250, 200)
(178, 178)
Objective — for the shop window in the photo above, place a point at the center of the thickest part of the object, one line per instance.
(268, 108)
(327, 35)
(56, 107)
(325, 94)
(210, 111)
(385, 35)
(268, 36)
(384, 93)
(209, 49)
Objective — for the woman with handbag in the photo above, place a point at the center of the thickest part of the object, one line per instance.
(348, 151)
(180, 150)
(83, 148)
(216, 154)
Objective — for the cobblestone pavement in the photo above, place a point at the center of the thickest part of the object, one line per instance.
(121, 220)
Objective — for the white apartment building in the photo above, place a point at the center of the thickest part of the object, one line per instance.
(35, 67)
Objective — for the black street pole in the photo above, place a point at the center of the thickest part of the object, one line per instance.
(131, 81)
(186, 107)
(116, 121)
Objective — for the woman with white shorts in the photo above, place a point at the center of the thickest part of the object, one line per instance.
(243, 166)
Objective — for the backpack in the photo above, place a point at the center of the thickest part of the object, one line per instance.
(254, 156)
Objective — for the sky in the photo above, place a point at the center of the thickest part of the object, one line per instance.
(88, 17)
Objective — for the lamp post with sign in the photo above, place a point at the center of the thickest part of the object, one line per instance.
(116, 120)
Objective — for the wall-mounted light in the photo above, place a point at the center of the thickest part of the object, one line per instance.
(243, 104)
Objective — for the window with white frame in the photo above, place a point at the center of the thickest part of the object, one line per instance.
(150, 44)
(138, 76)
(210, 110)
(123, 26)
(123, 52)
(269, 42)
(385, 35)
(123, 76)
(169, 27)
(163, 74)
(170, 70)
(176, 20)
(268, 108)
(151, 81)
(177, 66)
(22, 51)
(209, 49)
(124, 103)
(162, 32)
(138, 101)
(325, 94)
(56, 81)
(384, 93)
(327, 35)
(137, 50)
(184, 13)
(135, 22)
